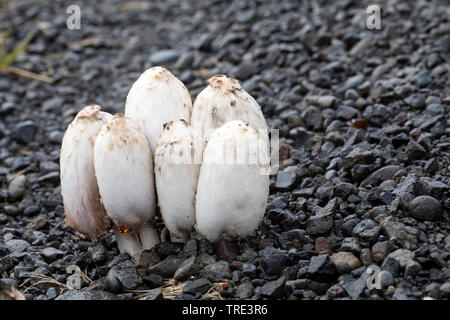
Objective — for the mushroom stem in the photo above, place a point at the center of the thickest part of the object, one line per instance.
(128, 242)
(149, 236)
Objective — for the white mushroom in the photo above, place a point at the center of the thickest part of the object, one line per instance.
(156, 98)
(232, 192)
(177, 164)
(83, 208)
(124, 170)
(222, 101)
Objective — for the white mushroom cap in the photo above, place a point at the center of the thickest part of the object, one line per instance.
(232, 192)
(177, 164)
(82, 205)
(124, 171)
(222, 101)
(156, 98)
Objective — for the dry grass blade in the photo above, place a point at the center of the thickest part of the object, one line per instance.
(7, 59)
(86, 42)
(85, 277)
(172, 287)
(27, 74)
(42, 279)
(15, 175)
(214, 291)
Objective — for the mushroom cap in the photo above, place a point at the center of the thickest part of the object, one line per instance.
(222, 101)
(83, 208)
(124, 170)
(177, 164)
(156, 98)
(232, 191)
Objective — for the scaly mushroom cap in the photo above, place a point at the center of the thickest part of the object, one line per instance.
(232, 192)
(156, 98)
(124, 170)
(177, 164)
(82, 205)
(222, 101)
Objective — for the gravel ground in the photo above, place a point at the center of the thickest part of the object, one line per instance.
(365, 142)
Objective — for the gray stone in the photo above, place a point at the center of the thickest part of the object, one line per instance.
(51, 254)
(201, 286)
(17, 187)
(285, 180)
(87, 295)
(415, 151)
(188, 268)
(386, 279)
(320, 224)
(382, 174)
(245, 290)
(17, 245)
(164, 56)
(402, 256)
(321, 268)
(217, 271)
(273, 289)
(123, 275)
(98, 253)
(24, 132)
(167, 267)
(426, 208)
(416, 100)
(273, 260)
(312, 118)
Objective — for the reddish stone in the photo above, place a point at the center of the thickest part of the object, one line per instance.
(415, 132)
(236, 265)
(380, 250)
(284, 151)
(322, 246)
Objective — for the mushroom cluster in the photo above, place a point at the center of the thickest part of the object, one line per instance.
(201, 165)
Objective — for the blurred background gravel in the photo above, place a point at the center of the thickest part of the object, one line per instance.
(365, 142)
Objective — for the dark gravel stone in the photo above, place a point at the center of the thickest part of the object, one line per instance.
(17, 245)
(416, 100)
(285, 180)
(98, 253)
(415, 151)
(87, 295)
(245, 290)
(51, 254)
(391, 265)
(123, 275)
(188, 268)
(312, 118)
(273, 260)
(164, 56)
(273, 289)
(153, 280)
(249, 270)
(217, 271)
(278, 203)
(426, 208)
(321, 268)
(165, 249)
(24, 132)
(201, 286)
(246, 69)
(356, 287)
(167, 267)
